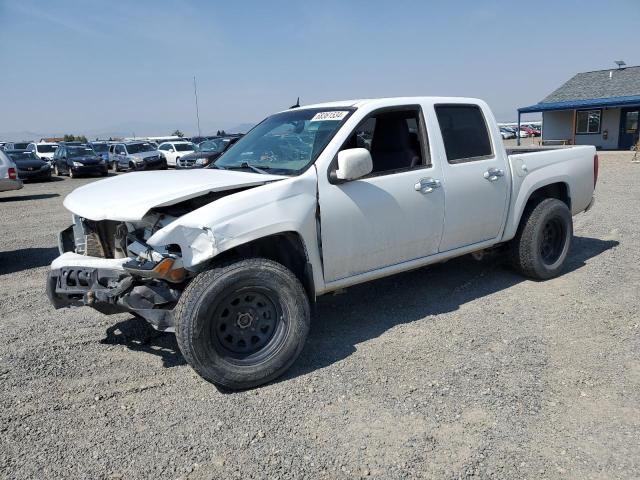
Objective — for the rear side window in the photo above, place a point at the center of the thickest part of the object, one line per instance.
(464, 132)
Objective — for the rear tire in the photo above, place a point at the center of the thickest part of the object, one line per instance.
(71, 174)
(242, 324)
(56, 171)
(540, 248)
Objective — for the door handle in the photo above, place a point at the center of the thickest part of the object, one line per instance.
(493, 174)
(426, 185)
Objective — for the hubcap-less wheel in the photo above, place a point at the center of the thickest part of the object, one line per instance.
(55, 170)
(552, 243)
(248, 325)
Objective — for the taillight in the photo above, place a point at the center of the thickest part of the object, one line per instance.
(595, 170)
(13, 175)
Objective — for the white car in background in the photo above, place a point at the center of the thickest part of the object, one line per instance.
(8, 174)
(43, 150)
(172, 151)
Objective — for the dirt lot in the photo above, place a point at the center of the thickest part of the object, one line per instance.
(458, 370)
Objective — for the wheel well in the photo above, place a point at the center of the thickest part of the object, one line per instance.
(286, 248)
(558, 190)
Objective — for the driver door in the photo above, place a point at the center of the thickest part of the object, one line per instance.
(393, 215)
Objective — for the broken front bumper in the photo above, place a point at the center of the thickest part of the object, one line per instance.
(104, 284)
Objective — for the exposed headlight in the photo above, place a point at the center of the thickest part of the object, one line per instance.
(202, 161)
(78, 164)
(138, 160)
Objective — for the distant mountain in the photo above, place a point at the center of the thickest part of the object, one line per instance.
(128, 129)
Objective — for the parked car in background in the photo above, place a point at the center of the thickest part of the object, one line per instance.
(102, 149)
(137, 156)
(16, 145)
(43, 150)
(529, 132)
(2, 144)
(8, 174)
(172, 151)
(76, 160)
(507, 133)
(207, 152)
(29, 165)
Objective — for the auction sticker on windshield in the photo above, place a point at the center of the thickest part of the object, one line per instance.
(337, 115)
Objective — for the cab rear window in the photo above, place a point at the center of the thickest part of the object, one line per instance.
(464, 132)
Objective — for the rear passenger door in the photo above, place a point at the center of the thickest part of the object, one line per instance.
(476, 177)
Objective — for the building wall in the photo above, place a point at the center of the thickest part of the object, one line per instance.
(558, 125)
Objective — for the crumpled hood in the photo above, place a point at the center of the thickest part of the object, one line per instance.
(130, 196)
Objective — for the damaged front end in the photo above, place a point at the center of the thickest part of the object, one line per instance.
(108, 265)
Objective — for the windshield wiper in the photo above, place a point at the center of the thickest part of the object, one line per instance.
(250, 167)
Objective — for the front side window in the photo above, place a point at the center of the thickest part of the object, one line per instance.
(464, 133)
(285, 143)
(120, 149)
(393, 138)
(588, 121)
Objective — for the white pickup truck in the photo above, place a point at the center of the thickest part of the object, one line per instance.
(311, 200)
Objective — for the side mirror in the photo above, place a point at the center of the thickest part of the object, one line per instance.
(353, 163)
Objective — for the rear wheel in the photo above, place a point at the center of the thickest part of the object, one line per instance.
(72, 174)
(242, 324)
(55, 170)
(542, 243)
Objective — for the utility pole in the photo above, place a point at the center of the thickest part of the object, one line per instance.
(195, 93)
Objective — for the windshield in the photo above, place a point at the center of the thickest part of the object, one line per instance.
(23, 155)
(46, 148)
(285, 143)
(79, 152)
(185, 147)
(140, 147)
(217, 145)
(20, 146)
(100, 147)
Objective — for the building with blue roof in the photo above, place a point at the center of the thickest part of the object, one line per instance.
(600, 108)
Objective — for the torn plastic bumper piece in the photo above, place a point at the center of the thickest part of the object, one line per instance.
(112, 290)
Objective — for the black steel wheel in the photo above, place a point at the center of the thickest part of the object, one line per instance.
(242, 324)
(541, 245)
(552, 241)
(248, 324)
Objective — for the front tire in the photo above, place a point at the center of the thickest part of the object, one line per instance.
(541, 246)
(242, 324)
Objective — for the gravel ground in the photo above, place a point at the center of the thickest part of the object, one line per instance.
(458, 370)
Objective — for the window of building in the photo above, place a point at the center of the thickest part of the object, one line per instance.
(464, 132)
(631, 122)
(588, 121)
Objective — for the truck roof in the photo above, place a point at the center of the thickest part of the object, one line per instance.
(390, 101)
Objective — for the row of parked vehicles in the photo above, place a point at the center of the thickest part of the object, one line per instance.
(42, 160)
(524, 132)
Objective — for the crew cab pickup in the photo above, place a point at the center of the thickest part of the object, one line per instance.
(312, 200)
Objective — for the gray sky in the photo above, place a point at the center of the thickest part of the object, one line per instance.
(121, 67)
